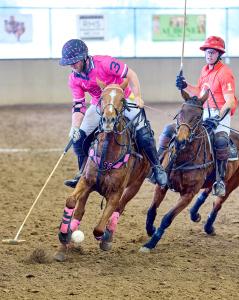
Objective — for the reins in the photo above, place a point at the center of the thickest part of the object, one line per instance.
(202, 133)
(127, 133)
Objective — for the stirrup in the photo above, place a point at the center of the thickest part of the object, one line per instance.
(72, 182)
(219, 189)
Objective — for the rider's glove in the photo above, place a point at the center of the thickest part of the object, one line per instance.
(212, 122)
(181, 82)
(139, 102)
(74, 134)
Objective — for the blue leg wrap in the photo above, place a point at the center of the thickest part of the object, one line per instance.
(211, 218)
(106, 235)
(150, 220)
(165, 223)
(199, 202)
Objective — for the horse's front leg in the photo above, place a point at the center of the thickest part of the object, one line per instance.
(72, 215)
(159, 194)
(184, 200)
(194, 214)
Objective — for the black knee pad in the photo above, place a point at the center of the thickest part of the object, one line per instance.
(221, 140)
(221, 145)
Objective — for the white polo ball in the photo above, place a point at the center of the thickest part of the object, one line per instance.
(78, 236)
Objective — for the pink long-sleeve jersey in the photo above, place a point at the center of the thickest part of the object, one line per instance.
(105, 68)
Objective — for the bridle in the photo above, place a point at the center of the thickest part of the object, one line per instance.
(196, 131)
(192, 128)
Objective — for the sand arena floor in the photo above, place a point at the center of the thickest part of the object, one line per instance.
(186, 264)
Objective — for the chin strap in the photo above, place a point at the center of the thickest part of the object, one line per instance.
(218, 58)
(88, 64)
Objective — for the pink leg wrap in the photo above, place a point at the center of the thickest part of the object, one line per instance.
(67, 215)
(113, 221)
(74, 224)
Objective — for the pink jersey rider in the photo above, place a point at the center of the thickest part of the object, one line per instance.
(105, 68)
(85, 72)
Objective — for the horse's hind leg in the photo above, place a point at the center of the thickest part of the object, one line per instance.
(111, 205)
(195, 216)
(107, 239)
(231, 185)
(159, 195)
(128, 194)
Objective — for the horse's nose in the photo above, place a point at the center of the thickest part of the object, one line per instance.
(108, 123)
(180, 145)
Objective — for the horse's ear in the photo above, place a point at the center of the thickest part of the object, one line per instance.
(204, 97)
(124, 84)
(185, 95)
(100, 83)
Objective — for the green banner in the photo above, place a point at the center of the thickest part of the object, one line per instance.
(170, 27)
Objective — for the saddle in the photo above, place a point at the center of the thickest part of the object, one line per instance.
(233, 152)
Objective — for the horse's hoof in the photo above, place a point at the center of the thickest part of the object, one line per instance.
(59, 256)
(98, 235)
(144, 250)
(196, 218)
(106, 242)
(105, 246)
(210, 231)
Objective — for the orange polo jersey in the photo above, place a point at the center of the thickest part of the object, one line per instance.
(221, 81)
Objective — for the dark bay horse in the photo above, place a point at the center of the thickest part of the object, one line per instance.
(190, 165)
(114, 169)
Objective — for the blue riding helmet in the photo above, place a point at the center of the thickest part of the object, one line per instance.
(73, 51)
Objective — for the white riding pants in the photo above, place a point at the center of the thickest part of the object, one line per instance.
(226, 121)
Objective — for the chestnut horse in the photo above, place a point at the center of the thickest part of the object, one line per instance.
(190, 166)
(114, 169)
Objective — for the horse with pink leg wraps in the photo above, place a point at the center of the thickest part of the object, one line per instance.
(114, 169)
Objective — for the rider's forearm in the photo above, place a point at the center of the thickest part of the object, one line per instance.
(229, 104)
(77, 118)
(134, 83)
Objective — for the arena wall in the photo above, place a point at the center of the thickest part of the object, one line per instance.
(35, 81)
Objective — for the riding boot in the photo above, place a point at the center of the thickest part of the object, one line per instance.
(221, 144)
(81, 163)
(81, 157)
(164, 139)
(145, 141)
(219, 188)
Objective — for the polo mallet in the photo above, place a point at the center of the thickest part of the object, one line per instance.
(16, 241)
(184, 26)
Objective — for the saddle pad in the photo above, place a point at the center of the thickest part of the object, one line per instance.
(233, 153)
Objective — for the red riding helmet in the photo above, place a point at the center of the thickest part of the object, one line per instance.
(214, 42)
